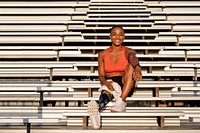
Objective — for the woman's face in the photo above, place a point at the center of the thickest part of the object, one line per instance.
(117, 36)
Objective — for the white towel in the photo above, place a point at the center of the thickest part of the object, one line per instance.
(116, 92)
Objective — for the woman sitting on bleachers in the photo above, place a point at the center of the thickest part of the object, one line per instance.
(116, 64)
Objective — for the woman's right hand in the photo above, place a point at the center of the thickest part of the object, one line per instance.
(110, 86)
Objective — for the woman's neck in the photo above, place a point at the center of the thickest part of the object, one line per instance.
(116, 48)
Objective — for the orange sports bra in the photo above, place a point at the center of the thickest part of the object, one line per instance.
(119, 66)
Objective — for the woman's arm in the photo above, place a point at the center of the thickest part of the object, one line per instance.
(134, 61)
(101, 71)
(132, 58)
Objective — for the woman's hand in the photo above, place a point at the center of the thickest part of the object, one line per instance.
(110, 86)
(137, 74)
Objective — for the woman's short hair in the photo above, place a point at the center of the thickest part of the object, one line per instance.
(115, 26)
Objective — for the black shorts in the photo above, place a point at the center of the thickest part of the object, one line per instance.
(118, 79)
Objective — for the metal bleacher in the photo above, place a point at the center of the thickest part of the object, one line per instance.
(49, 69)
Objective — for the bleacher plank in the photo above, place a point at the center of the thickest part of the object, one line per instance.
(128, 40)
(90, 15)
(59, 72)
(124, 19)
(179, 33)
(128, 99)
(118, 23)
(142, 36)
(142, 113)
(85, 99)
(118, 7)
(41, 13)
(162, 27)
(183, 28)
(177, 22)
(80, 48)
(65, 22)
(189, 88)
(43, 4)
(39, 54)
(116, 1)
(35, 115)
(40, 33)
(30, 28)
(187, 48)
(30, 36)
(168, 13)
(163, 5)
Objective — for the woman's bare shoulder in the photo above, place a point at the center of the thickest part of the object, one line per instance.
(129, 50)
(102, 54)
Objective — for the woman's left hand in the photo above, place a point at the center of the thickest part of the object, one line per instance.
(138, 74)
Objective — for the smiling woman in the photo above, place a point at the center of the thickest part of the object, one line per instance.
(116, 64)
(120, 64)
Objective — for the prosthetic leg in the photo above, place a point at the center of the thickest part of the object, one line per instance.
(104, 99)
